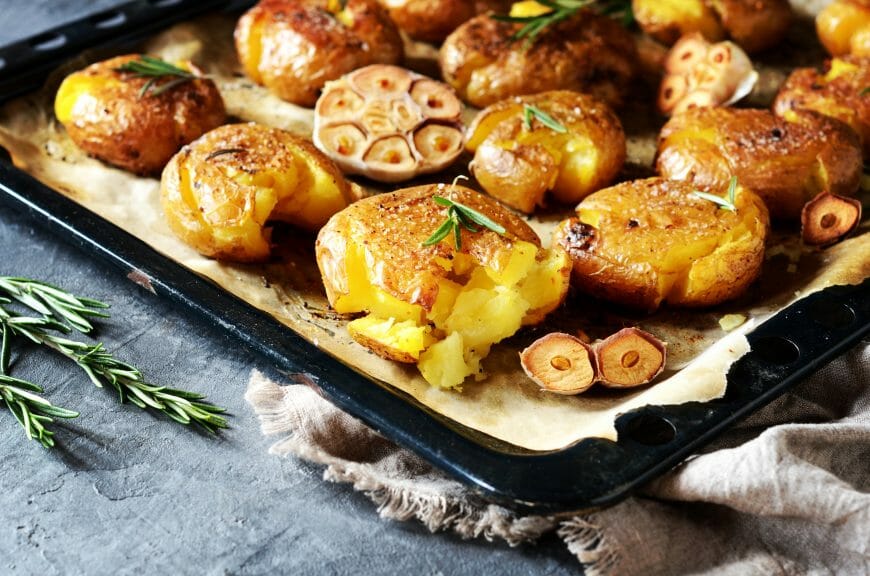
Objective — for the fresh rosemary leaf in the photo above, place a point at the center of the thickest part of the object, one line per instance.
(31, 410)
(460, 216)
(561, 10)
(530, 112)
(155, 69)
(864, 91)
(727, 203)
(54, 303)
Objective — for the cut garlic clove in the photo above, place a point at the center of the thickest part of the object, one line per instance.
(688, 51)
(672, 90)
(381, 80)
(438, 144)
(343, 140)
(696, 99)
(377, 118)
(436, 100)
(339, 104)
(390, 159)
(405, 115)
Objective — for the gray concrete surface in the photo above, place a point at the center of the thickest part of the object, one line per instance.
(126, 492)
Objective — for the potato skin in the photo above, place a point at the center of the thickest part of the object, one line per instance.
(843, 27)
(114, 124)
(755, 25)
(434, 20)
(393, 227)
(645, 242)
(587, 53)
(785, 162)
(293, 47)
(219, 192)
(839, 97)
(518, 166)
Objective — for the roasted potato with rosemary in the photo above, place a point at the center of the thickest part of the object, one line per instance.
(586, 52)
(786, 161)
(565, 142)
(433, 20)
(293, 47)
(646, 242)
(137, 121)
(844, 27)
(439, 300)
(755, 25)
(220, 193)
(841, 91)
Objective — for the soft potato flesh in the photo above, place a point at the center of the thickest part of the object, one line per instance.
(836, 92)
(844, 27)
(519, 165)
(785, 160)
(220, 192)
(651, 241)
(434, 305)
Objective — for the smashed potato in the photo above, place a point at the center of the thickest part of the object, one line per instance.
(433, 20)
(786, 161)
(646, 242)
(293, 47)
(518, 162)
(837, 91)
(844, 27)
(112, 116)
(220, 192)
(437, 306)
(753, 24)
(586, 52)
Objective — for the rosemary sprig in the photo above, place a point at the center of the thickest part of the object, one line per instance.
(31, 410)
(723, 203)
(460, 216)
(155, 69)
(52, 302)
(101, 367)
(530, 112)
(864, 91)
(561, 10)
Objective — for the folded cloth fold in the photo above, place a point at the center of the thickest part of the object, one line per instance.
(785, 492)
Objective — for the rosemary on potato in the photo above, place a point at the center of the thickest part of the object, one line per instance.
(460, 216)
(727, 203)
(155, 69)
(561, 10)
(864, 91)
(59, 314)
(530, 112)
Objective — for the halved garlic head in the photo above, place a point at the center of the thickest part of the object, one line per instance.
(388, 123)
(699, 74)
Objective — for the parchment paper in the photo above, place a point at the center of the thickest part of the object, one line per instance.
(506, 405)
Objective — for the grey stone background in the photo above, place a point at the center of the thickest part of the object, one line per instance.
(127, 492)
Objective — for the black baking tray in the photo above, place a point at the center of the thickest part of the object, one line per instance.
(588, 475)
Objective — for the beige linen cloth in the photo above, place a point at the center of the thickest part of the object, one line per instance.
(785, 492)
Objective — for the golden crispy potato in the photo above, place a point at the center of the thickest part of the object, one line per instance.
(844, 27)
(220, 192)
(786, 161)
(293, 47)
(753, 24)
(519, 164)
(104, 114)
(837, 91)
(433, 20)
(587, 53)
(436, 305)
(646, 242)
